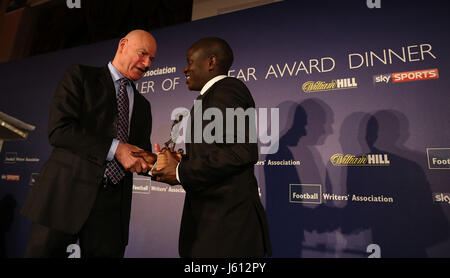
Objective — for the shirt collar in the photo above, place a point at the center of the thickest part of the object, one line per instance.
(211, 82)
(115, 73)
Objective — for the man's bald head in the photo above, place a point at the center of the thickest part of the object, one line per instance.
(135, 54)
(140, 35)
(218, 48)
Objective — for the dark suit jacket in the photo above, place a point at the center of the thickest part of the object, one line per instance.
(82, 125)
(223, 215)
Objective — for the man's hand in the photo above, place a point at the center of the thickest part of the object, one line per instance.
(167, 173)
(124, 154)
(162, 161)
(148, 157)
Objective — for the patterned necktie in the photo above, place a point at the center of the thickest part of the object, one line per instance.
(114, 170)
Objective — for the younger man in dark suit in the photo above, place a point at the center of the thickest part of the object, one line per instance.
(223, 215)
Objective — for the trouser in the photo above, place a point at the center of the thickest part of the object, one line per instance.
(100, 236)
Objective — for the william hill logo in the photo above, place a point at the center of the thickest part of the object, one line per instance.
(321, 86)
(364, 160)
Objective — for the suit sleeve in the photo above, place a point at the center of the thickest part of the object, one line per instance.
(223, 159)
(65, 130)
(145, 134)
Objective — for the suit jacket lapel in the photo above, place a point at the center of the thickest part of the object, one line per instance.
(108, 84)
(194, 109)
(201, 98)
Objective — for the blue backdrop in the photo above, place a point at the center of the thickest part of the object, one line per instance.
(361, 164)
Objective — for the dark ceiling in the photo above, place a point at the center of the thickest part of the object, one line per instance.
(53, 26)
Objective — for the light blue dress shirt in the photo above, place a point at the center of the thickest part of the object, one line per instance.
(116, 76)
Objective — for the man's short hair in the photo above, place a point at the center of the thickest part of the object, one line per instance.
(213, 46)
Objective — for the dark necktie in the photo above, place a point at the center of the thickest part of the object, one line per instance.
(114, 170)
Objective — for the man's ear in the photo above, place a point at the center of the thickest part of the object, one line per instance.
(212, 63)
(122, 43)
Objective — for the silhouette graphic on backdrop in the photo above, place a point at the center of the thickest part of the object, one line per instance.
(405, 227)
(307, 123)
(352, 140)
(411, 223)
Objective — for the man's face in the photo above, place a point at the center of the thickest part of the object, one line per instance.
(137, 56)
(197, 70)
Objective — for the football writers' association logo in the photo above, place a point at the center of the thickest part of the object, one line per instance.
(305, 193)
(142, 185)
(10, 157)
(438, 158)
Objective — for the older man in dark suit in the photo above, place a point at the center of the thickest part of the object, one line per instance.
(222, 215)
(97, 119)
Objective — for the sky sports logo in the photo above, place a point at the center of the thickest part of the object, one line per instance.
(8, 177)
(407, 76)
(441, 198)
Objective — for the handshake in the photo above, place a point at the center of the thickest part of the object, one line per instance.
(161, 165)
